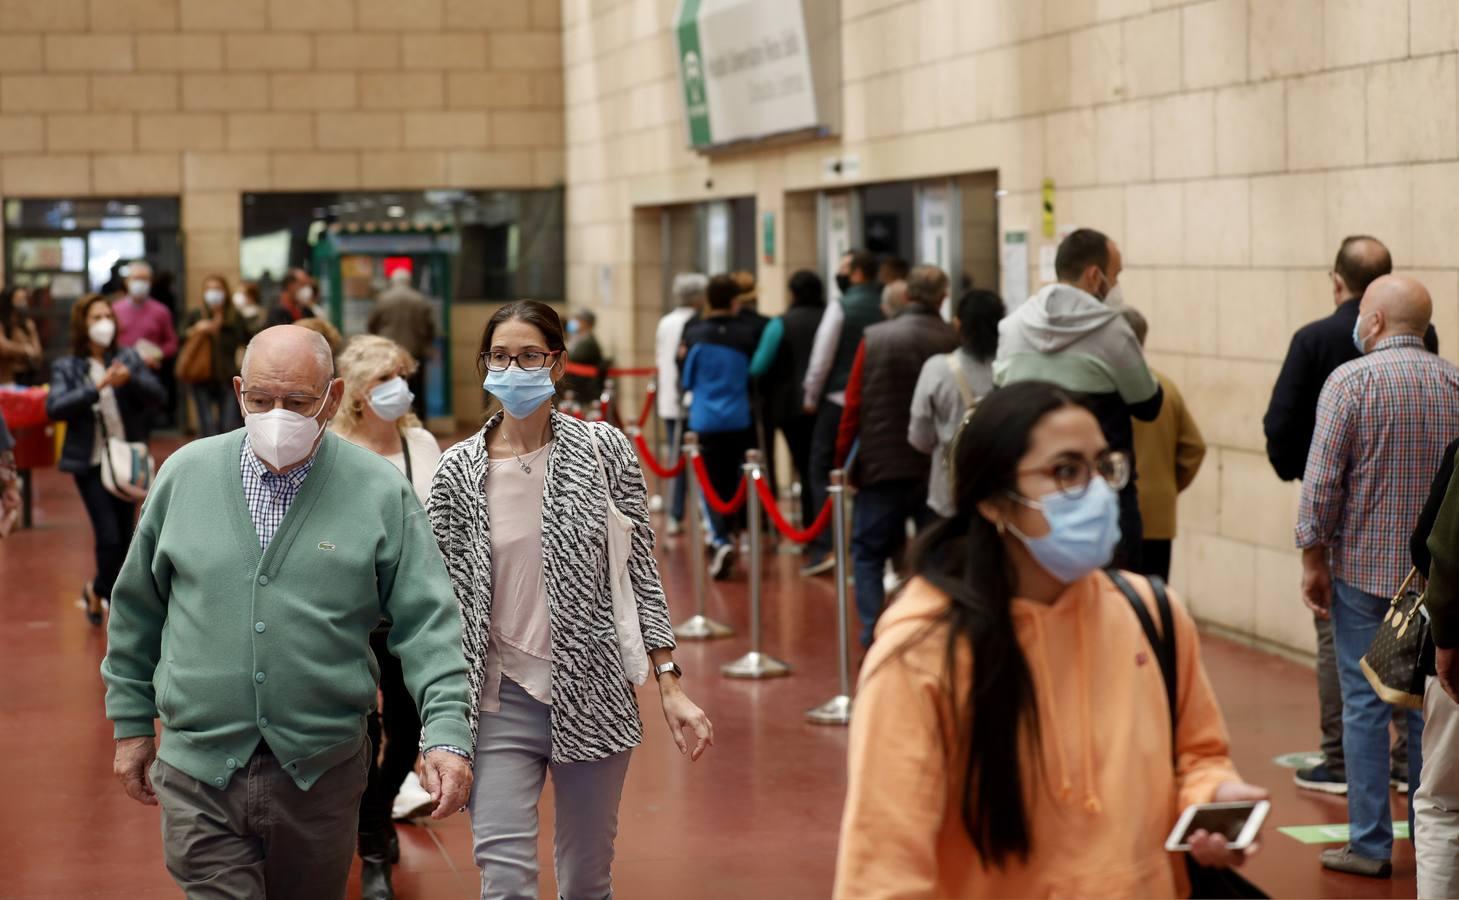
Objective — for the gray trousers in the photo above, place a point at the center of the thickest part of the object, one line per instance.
(261, 836)
(1436, 803)
(513, 751)
(1329, 701)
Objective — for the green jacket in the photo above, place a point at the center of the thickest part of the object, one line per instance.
(228, 645)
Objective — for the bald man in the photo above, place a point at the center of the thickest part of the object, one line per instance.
(241, 619)
(1317, 350)
(1383, 422)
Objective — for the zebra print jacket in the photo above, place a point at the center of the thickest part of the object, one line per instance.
(594, 707)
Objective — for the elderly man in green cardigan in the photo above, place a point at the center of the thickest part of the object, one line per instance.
(242, 620)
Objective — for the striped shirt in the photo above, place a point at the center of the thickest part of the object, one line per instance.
(1383, 422)
(269, 494)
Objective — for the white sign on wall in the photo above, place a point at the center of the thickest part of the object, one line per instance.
(745, 69)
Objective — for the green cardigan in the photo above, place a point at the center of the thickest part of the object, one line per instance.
(229, 645)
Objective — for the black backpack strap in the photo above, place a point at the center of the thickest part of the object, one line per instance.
(1162, 641)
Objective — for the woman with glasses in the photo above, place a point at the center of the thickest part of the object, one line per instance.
(100, 390)
(376, 415)
(522, 514)
(1012, 735)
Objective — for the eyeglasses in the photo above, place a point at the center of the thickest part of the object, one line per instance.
(263, 401)
(1074, 473)
(530, 360)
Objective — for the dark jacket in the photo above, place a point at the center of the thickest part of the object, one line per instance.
(73, 399)
(784, 384)
(895, 352)
(862, 305)
(1418, 547)
(586, 352)
(1317, 350)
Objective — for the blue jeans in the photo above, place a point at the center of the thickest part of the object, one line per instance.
(878, 532)
(1356, 616)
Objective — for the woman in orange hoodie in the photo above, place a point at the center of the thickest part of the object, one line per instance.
(1012, 736)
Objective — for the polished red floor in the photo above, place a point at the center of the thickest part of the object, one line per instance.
(757, 818)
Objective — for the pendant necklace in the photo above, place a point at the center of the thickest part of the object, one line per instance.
(524, 464)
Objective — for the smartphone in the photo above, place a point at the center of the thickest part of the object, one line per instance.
(1238, 822)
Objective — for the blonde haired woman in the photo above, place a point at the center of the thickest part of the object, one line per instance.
(376, 415)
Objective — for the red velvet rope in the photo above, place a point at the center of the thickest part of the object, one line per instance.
(586, 371)
(710, 497)
(767, 498)
(648, 407)
(653, 464)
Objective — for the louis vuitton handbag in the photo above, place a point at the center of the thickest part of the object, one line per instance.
(1393, 661)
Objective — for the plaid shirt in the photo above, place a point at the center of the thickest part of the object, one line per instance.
(1383, 422)
(269, 494)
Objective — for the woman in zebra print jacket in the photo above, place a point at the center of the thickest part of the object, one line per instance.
(520, 513)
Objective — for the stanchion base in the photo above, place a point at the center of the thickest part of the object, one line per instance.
(755, 665)
(702, 628)
(836, 711)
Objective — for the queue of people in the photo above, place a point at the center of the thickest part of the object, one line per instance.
(510, 599)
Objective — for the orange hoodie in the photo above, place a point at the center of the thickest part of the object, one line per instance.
(1101, 794)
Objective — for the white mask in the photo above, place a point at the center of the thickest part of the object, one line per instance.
(139, 288)
(1115, 299)
(214, 298)
(102, 331)
(391, 399)
(282, 438)
(304, 294)
(240, 302)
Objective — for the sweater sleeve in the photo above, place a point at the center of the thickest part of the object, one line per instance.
(823, 352)
(1190, 446)
(1202, 744)
(425, 630)
(1442, 601)
(768, 348)
(922, 427)
(630, 495)
(897, 790)
(851, 419)
(1418, 542)
(138, 611)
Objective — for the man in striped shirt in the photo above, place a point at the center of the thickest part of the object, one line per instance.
(1383, 422)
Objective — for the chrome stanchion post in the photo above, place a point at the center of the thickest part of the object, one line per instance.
(656, 501)
(754, 664)
(698, 627)
(837, 710)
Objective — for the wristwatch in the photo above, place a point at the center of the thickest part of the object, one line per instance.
(667, 668)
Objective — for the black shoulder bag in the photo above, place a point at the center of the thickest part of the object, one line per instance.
(1205, 882)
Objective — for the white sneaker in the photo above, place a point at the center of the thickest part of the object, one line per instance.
(412, 801)
(674, 528)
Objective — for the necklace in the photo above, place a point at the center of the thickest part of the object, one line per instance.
(524, 464)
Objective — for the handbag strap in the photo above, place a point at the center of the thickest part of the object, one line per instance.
(405, 451)
(1162, 641)
(955, 365)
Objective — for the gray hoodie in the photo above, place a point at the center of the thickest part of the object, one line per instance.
(1070, 338)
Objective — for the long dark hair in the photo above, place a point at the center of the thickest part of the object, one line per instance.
(11, 316)
(964, 557)
(978, 314)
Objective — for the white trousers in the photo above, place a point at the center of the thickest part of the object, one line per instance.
(1436, 805)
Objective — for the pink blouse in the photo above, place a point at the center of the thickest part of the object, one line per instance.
(520, 643)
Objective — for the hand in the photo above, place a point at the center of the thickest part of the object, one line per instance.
(447, 778)
(1213, 850)
(134, 756)
(117, 375)
(808, 408)
(1446, 662)
(681, 714)
(206, 326)
(1317, 582)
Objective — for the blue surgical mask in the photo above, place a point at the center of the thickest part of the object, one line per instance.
(1357, 336)
(1083, 531)
(572, 327)
(391, 399)
(521, 391)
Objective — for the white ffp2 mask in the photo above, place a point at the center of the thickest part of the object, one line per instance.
(282, 438)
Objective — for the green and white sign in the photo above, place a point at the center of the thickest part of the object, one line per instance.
(745, 70)
(1333, 834)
